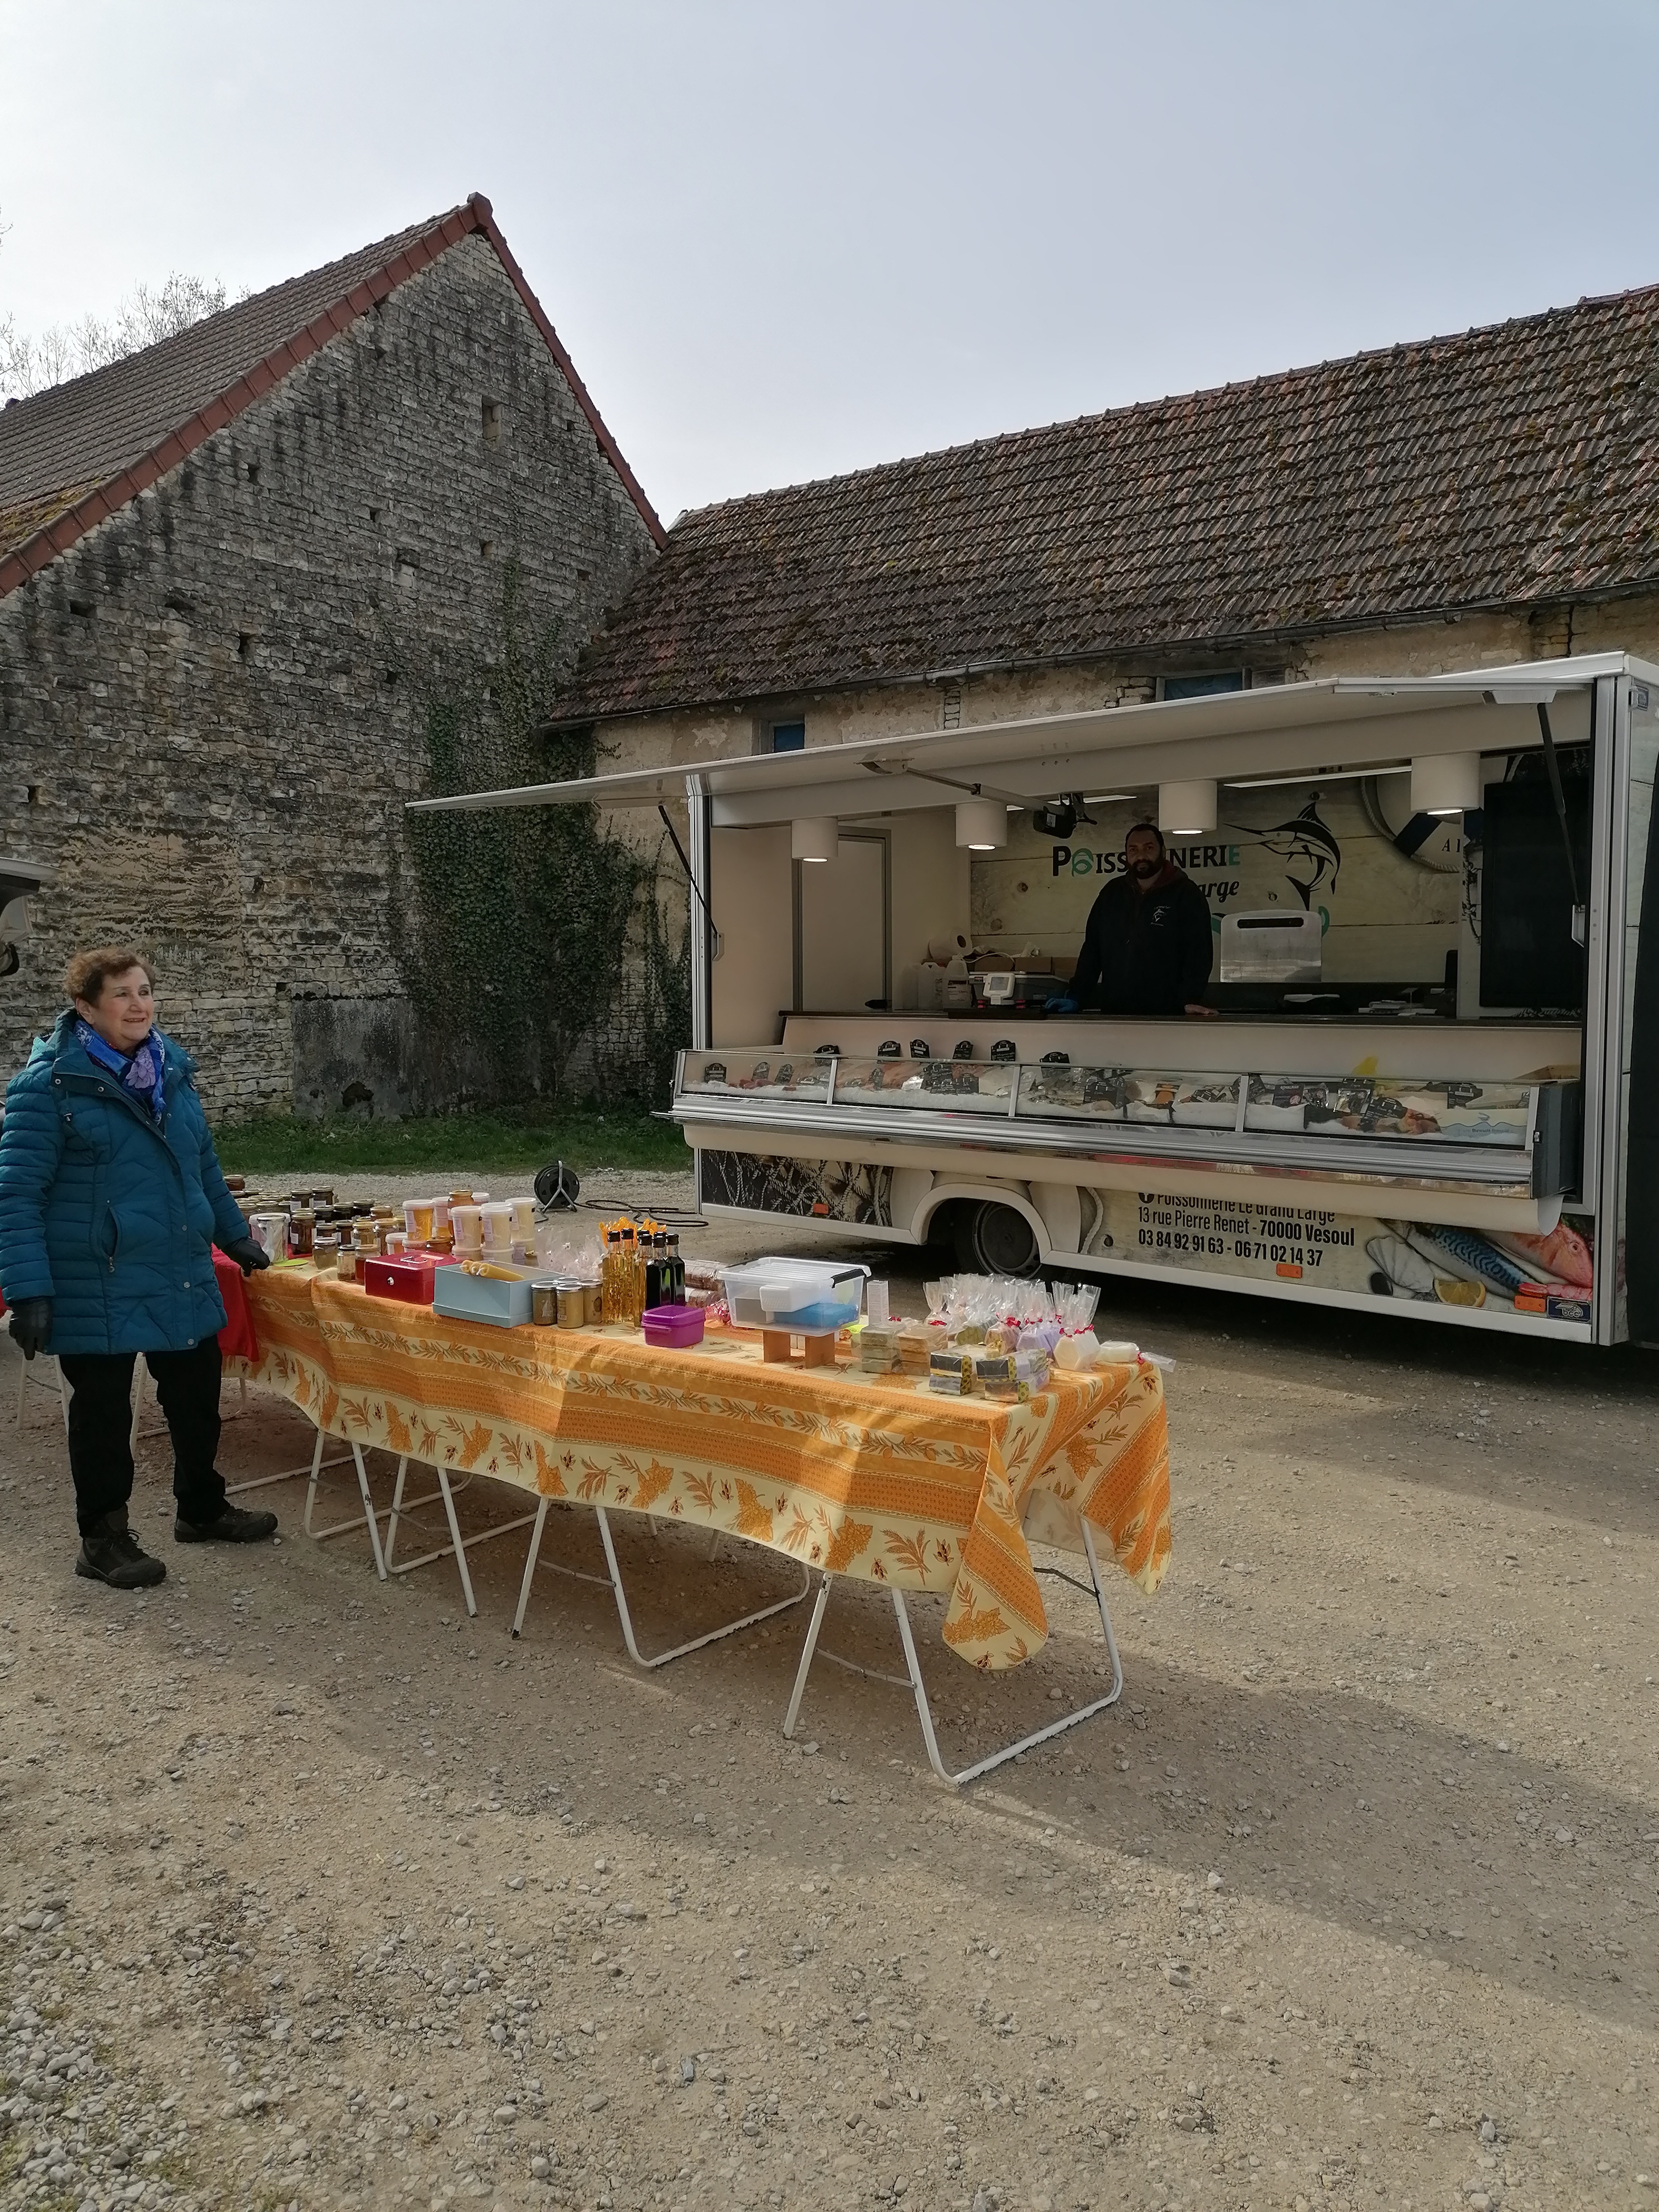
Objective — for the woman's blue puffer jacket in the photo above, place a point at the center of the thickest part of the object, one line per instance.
(108, 1212)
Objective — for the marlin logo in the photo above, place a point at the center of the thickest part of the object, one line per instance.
(1307, 841)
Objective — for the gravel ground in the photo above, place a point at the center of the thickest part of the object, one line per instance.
(316, 1893)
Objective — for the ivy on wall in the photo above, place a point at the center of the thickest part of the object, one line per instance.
(532, 941)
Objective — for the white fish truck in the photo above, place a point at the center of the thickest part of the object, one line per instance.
(1429, 1076)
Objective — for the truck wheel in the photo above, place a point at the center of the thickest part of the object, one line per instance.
(992, 1239)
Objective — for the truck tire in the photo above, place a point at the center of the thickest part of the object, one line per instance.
(993, 1239)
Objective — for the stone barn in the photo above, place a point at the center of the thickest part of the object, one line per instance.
(229, 567)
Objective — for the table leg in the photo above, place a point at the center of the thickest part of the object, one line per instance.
(397, 1507)
(455, 1533)
(696, 1643)
(533, 1560)
(404, 1508)
(542, 1505)
(318, 1463)
(807, 1649)
(370, 1514)
(312, 1485)
(911, 1679)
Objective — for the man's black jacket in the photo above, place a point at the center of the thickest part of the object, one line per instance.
(1144, 952)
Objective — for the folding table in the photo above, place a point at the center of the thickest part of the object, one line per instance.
(848, 1476)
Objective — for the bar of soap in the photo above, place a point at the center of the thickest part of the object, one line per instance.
(879, 1349)
(950, 1372)
(1031, 1370)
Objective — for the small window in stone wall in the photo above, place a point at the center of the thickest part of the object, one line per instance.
(1204, 686)
(492, 422)
(789, 737)
(486, 549)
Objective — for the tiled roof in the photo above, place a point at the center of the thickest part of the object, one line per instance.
(1511, 465)
(73, 454)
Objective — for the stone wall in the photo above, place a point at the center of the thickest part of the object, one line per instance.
(688, 738)
(210, 708)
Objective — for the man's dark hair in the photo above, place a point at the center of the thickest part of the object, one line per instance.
(1152, 829)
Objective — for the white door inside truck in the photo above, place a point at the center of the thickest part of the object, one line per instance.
(843, 926)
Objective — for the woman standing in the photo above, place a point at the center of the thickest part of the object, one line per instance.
(111, 1201)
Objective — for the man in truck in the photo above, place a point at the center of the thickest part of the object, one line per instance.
(1147, 947)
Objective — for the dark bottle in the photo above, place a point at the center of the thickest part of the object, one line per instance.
(675, 1296)
(657, 1279)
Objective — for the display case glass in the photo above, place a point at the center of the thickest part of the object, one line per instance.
(749, 1072)
(1064, 1093)
(952, 1086)
(1489, 1114)
(1505, 1130)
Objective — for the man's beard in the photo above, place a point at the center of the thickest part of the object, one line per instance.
(1144, 871)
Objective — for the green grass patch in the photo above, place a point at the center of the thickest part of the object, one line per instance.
(280, 1143)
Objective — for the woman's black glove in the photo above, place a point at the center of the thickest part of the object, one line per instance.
(31, 1324)
(247, 1252)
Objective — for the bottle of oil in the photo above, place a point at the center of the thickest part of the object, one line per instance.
(675, 1294)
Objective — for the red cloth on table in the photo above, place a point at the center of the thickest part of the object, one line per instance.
(236, 1339)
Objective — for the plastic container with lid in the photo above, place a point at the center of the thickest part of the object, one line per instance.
(496, 1222)
(467, 1229)
(673, 1328)
(808, 1297)
(270, 1232)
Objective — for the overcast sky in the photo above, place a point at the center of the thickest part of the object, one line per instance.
(789, 239)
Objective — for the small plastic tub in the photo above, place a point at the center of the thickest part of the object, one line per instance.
(496, 1222)
(674, 1328)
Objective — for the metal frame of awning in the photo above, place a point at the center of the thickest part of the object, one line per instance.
(1322, 724)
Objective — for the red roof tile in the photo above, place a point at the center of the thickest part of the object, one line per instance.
(73, 454)
(1509, 466)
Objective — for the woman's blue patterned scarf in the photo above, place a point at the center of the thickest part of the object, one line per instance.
(143, 1072)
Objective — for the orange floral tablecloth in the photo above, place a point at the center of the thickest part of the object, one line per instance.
(857, 1475)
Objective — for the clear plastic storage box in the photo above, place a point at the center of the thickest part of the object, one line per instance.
(808, 1298)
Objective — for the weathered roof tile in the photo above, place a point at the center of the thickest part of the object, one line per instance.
(1508, 466)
